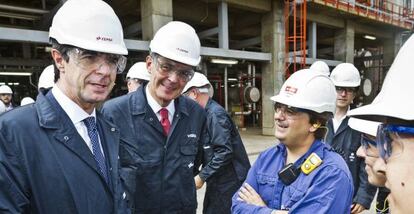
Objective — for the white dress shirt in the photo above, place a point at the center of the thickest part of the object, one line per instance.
(76, 115)
(157, 107)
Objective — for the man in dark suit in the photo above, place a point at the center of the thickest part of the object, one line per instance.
(59, 155)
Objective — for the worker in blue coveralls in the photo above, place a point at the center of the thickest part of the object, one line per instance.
(301, 174)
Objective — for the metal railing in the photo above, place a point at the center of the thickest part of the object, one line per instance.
(381, 10)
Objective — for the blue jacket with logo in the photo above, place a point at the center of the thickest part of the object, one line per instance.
(158, 170)
(46, 166)
(346, 141)
(327, 189)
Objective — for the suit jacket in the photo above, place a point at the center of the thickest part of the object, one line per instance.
(346, 141)
(159, 170)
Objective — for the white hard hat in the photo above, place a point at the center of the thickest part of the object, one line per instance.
(346, 75)
(177, 41)
(26, 100)
(5, 89)
(310, 90)
(364, 126)
(320, 66)
(88, 24)
(47, 77)
(139, 71)
(198, 80)
(395, 98)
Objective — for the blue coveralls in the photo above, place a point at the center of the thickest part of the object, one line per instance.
(327, 189)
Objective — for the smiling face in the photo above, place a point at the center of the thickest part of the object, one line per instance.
(168, 78)
(86, 79)
(291, 126)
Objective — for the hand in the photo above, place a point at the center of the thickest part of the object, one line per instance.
(357, 208)
(198, 182)
(250, 196)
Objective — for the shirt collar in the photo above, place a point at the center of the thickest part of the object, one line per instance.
(73, 110)
(157, 107)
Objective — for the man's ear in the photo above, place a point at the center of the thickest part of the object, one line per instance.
(58, 59)
(148, 62)
(315, 127)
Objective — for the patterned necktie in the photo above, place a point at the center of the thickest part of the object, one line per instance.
(96, 149)
(164, 121)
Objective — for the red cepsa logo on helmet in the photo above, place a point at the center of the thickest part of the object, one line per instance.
(102, 38)
(291, 90)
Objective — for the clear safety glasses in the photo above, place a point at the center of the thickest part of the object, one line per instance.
(389, 140)
(92, 60)
(167, 67)
(347, 90)
(287, 111)
(369, 145)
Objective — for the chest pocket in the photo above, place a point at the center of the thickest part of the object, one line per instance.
(292, 194)
(188, 152)
(267, 187)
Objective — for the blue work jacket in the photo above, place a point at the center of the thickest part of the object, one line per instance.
(158, 170)
(46, 166)
(224, 150)
(226, 162)
(327, 189)
(346, 141)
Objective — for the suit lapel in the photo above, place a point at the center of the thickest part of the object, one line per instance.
(67, 134)
(342, 126)
(74, 142)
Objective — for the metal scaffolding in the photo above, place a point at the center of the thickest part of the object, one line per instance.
(295, 39)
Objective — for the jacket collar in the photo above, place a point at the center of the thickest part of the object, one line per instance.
(48, 116)
(138, 102)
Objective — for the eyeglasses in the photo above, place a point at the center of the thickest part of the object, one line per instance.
(167, 67)
(287, 111)
(348, 90)
(369, 145)
(92, 60)
(389, 140)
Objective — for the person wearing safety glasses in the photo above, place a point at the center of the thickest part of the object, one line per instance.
(344, 140)
(369, 152)
(393, 107)
(301, 174)
(60, 155)
(163, 133)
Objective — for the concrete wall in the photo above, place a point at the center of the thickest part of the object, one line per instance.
(273, 41)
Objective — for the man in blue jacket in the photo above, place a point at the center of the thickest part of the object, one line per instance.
(59, 155)
(346, 141)
(162, 132)
(225, 163)
(301, 174)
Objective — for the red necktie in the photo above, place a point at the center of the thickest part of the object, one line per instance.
(164, 121)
